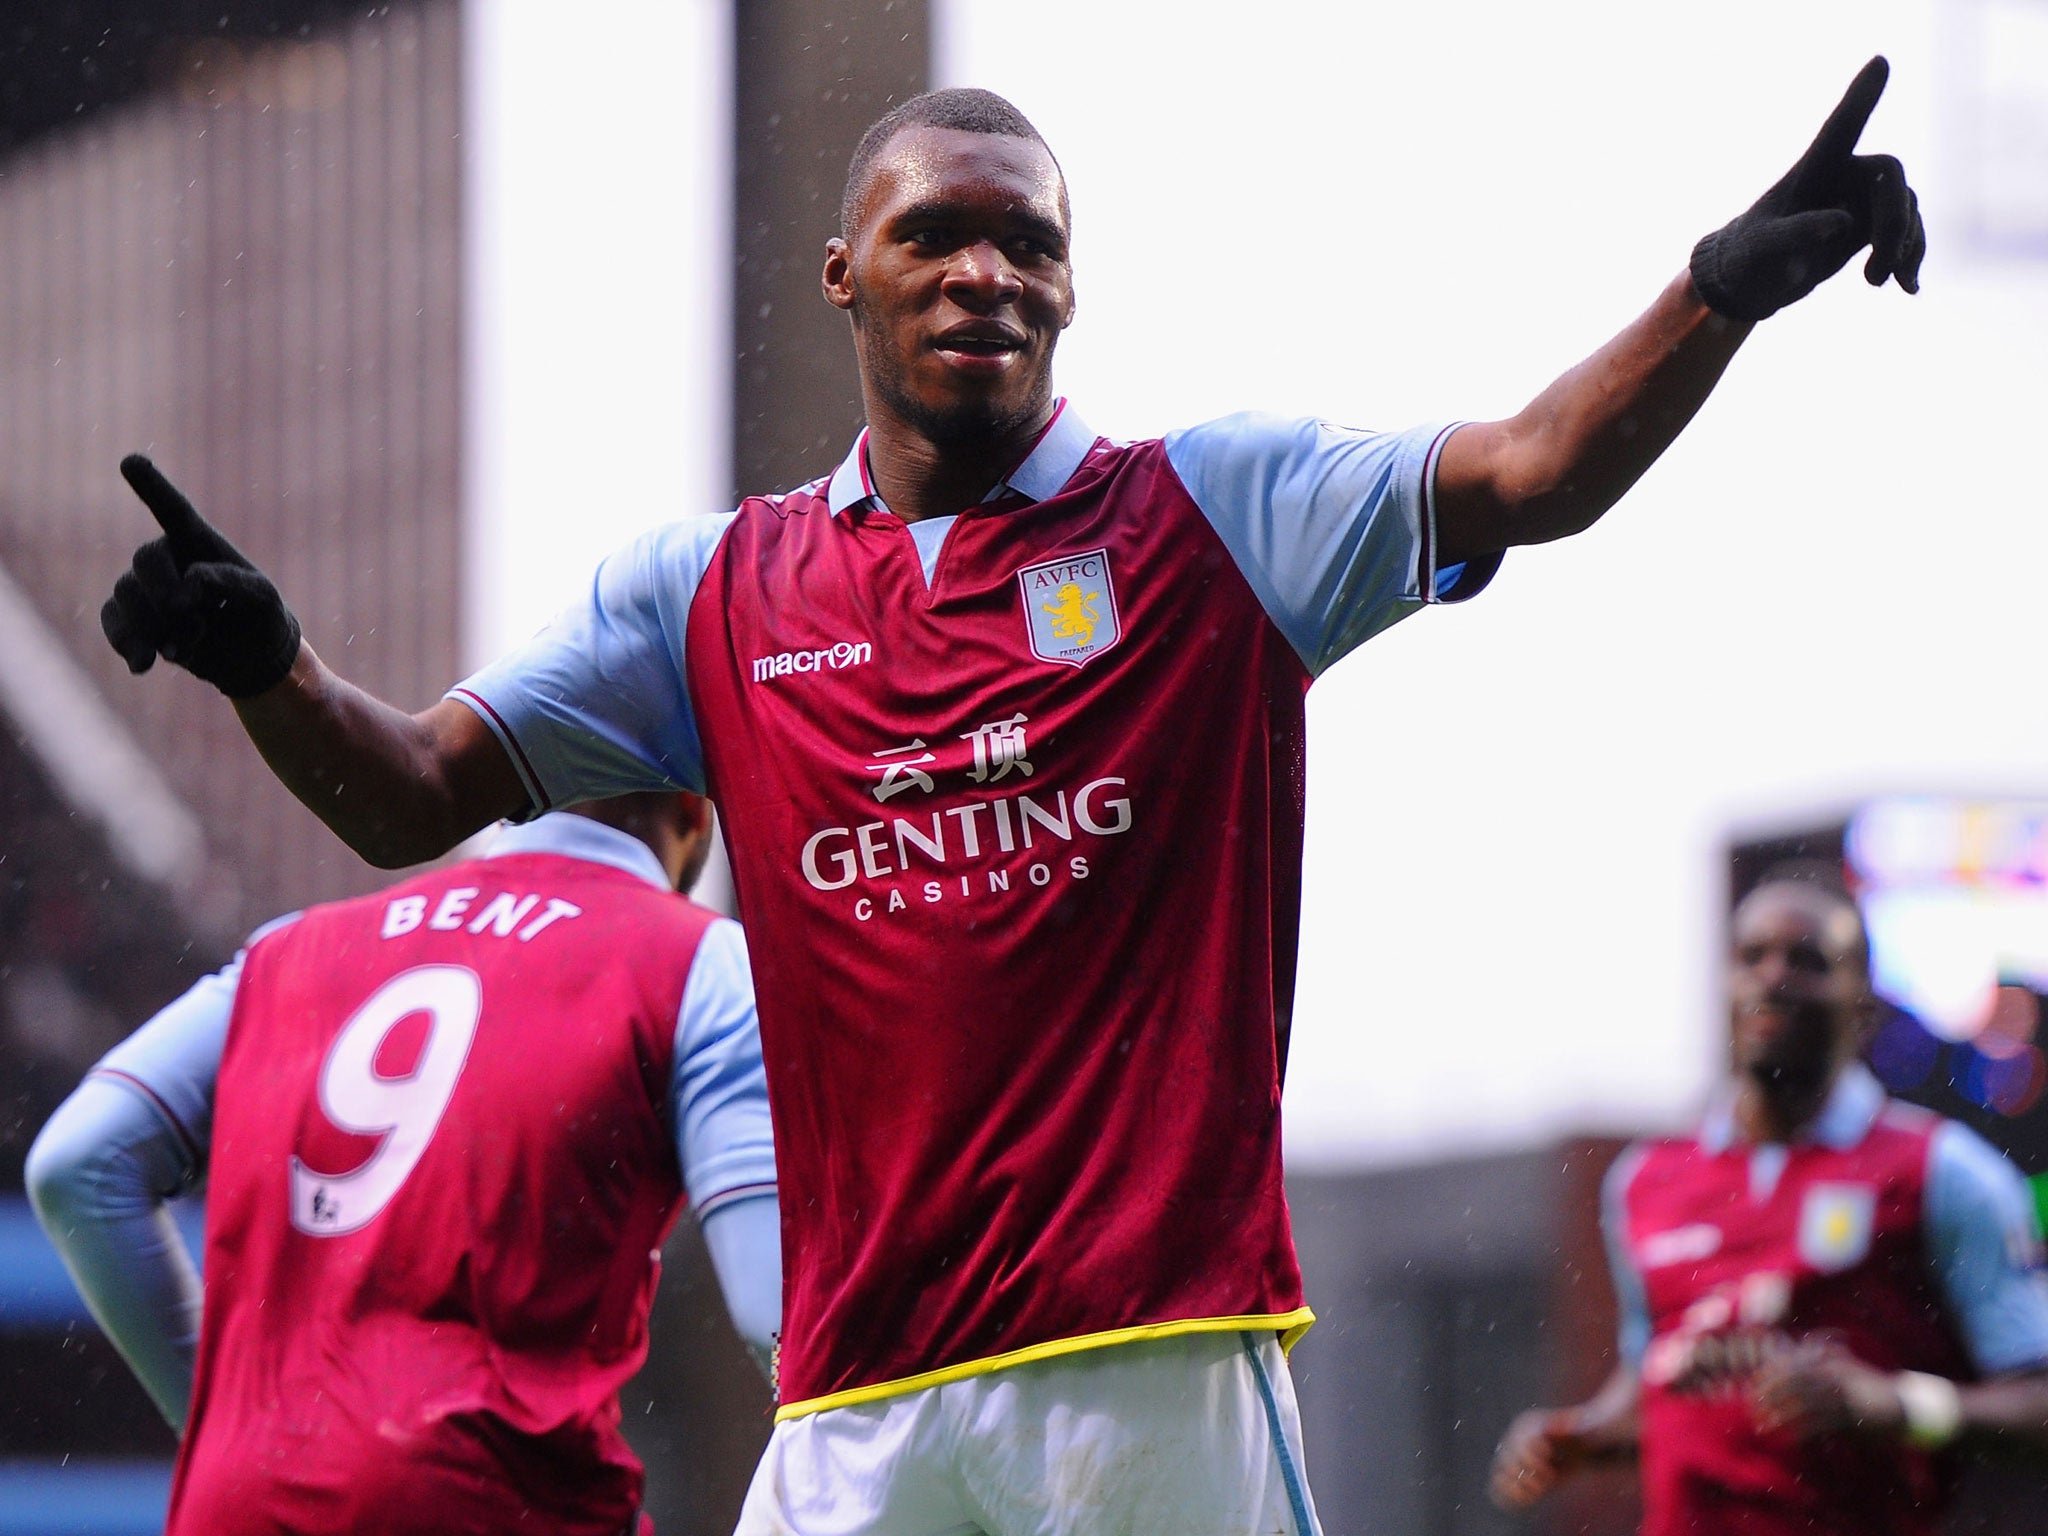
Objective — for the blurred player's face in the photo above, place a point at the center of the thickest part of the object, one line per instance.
(1798, 989)
(958, 282)
(691, 869)
(689, 844)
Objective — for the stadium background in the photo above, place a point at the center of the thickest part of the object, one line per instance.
(432, 303)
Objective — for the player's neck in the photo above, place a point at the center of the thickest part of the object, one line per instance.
(1778, 1110)
(918, 478)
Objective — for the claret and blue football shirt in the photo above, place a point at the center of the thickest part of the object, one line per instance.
(445, 1128)
(1901, 1235)
(1017, 797)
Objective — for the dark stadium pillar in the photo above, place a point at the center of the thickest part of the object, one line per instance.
(808, 80)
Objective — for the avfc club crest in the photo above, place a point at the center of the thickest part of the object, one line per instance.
(1070, 608)
(1834, 1225)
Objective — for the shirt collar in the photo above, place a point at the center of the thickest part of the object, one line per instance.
(1048, 466)
(1851, 1109)
(578, 837)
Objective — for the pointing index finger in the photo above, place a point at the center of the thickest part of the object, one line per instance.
(1838, 135)
(167, 504)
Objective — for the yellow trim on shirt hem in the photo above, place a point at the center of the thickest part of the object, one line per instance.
(1289, 1325)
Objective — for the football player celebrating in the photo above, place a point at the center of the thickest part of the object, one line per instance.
(1821, 1291)
(1006, 724)
(443, 1129)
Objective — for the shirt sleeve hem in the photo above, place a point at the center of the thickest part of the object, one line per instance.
(1468, 578)
(732, 1194)
(538, 801)
(187, 1142)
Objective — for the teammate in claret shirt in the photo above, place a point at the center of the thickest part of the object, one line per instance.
(1821, 1291)
(1005, 722)
(444, 1130)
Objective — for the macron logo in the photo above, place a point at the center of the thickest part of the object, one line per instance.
(825, 658)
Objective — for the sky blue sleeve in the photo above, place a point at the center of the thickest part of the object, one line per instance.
(596, 704)
(98, 1176)
(1333, 528)
(744, 1238)
(134, 1135)
(719, 1093)
(1631, 1301)
(1984, 1243)
(174, 1059)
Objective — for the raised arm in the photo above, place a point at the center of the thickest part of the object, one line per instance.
(397, 788)
(1554, 468)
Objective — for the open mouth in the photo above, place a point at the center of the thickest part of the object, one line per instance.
(980, 344)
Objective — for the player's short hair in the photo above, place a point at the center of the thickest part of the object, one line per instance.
(1824, 881)
(966, 108)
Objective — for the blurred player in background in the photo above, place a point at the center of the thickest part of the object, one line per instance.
(443, 1130)
(1821, 1291)
(1006, 725)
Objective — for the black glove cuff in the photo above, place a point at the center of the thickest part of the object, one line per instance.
(1722, 297)
(250, 670)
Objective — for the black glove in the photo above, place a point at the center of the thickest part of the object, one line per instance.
(1825, 209)
(196, 600)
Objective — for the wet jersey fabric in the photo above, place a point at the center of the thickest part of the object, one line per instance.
(1021, 804)
(441, 1167)
(1838, 1235)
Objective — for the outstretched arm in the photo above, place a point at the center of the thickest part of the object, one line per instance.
(1555, 467)
(1575, 450)
(395, 787)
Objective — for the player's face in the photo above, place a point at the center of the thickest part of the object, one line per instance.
(958, 282)
(1797, 987)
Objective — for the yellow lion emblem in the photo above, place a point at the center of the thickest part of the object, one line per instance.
(1074, 614)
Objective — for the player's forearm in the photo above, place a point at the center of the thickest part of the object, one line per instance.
(141, 1286)
(1546, 1446)
(2009, 1412)
(1575, 450)
(1606, 1423)
(389, 784)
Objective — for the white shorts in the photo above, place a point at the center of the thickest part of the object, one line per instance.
(1192, 1435)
